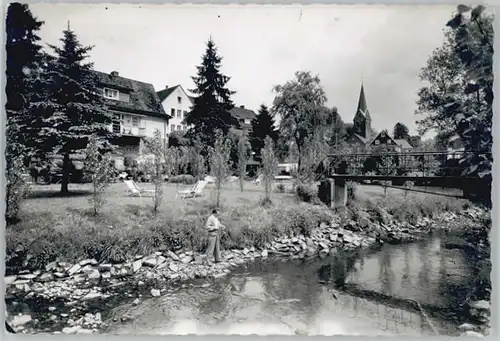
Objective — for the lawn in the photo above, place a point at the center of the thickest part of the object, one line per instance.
(55, 227)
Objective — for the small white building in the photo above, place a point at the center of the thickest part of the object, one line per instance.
(177, 103)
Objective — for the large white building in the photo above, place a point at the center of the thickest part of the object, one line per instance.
(137, 110)
(177, 103)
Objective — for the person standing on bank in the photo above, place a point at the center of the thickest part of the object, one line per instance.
(213, 227)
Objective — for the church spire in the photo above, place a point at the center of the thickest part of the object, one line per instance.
(362, 101)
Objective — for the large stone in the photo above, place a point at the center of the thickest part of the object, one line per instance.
(71, 330)
(173, 255)
(51, 266)
(9, 280)
(466, 327)
(87, 262)
(94, 274)
(105, 267)
(87, 268)
(186, 259)
(150, 261)
(91, 296)
(74, 269)
(480, 305)
(173, 267)
(137, 265)
(28, 276)
(20, 320)
(155, 292)
(46, 277)
(264, 253)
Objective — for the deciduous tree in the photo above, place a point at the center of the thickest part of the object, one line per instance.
(156, 166)
(400, 131)
(220, 161)
(269, 167)
(99, 169)
(243, 149)
(459, 97)
(300, 105)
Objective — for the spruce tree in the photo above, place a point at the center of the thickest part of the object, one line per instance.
(262, 126)
(25, 61)
(80, 110)
(213, 99)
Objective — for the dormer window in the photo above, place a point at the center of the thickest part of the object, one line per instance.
(111, 94)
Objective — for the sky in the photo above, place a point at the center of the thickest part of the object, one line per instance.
(383, 47)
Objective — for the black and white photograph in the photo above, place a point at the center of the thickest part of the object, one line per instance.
(176, 169)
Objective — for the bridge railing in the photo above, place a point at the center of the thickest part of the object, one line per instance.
(393, 164)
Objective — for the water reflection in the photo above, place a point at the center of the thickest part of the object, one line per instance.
(307, 296)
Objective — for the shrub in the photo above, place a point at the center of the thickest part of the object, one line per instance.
(351, 190)
(280, 188)
(16, 190)
(306, 193)
(187, 179)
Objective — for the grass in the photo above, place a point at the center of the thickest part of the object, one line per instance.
(63, 228)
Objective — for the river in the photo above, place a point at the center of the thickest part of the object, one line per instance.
(304, 296)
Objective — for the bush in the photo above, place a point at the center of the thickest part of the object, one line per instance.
(16, 190)
(351, 190)
(187, 179)
(280, 188)
(306, 193)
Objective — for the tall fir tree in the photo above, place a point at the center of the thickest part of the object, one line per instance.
(263, 125)
(25, 62)
(212, 99)
(80, 111)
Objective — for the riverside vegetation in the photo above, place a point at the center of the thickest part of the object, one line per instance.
(60, 255)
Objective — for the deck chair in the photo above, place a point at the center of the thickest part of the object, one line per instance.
(135, 189)
(196, 190)
(258, 180)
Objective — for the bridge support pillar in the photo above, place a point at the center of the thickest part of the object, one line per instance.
(333, 192)
(340, 195)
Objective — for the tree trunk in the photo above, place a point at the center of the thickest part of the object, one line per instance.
(65, 173)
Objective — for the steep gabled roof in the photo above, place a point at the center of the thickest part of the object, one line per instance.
(403, 143)
(143, 97)
(162, 94)
(386, 134)
(242, 113)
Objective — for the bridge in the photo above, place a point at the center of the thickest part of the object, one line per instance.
(404, 171)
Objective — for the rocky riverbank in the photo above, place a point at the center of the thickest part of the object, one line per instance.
(76, 298)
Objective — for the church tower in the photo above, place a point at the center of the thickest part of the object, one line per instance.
(362, 118)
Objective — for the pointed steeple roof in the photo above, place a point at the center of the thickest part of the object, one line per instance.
(362, 107)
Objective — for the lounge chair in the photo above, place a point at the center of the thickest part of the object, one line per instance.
(135, 189)
(196, 190)
(258, 180)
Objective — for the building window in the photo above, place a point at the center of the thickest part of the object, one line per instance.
(179, 100)
(247, 121)
(111, 94)
(179, 128)
(185, 113)
(179, 113)
(172, 127)
(135, 121)
(377, 142)
(172, 112)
